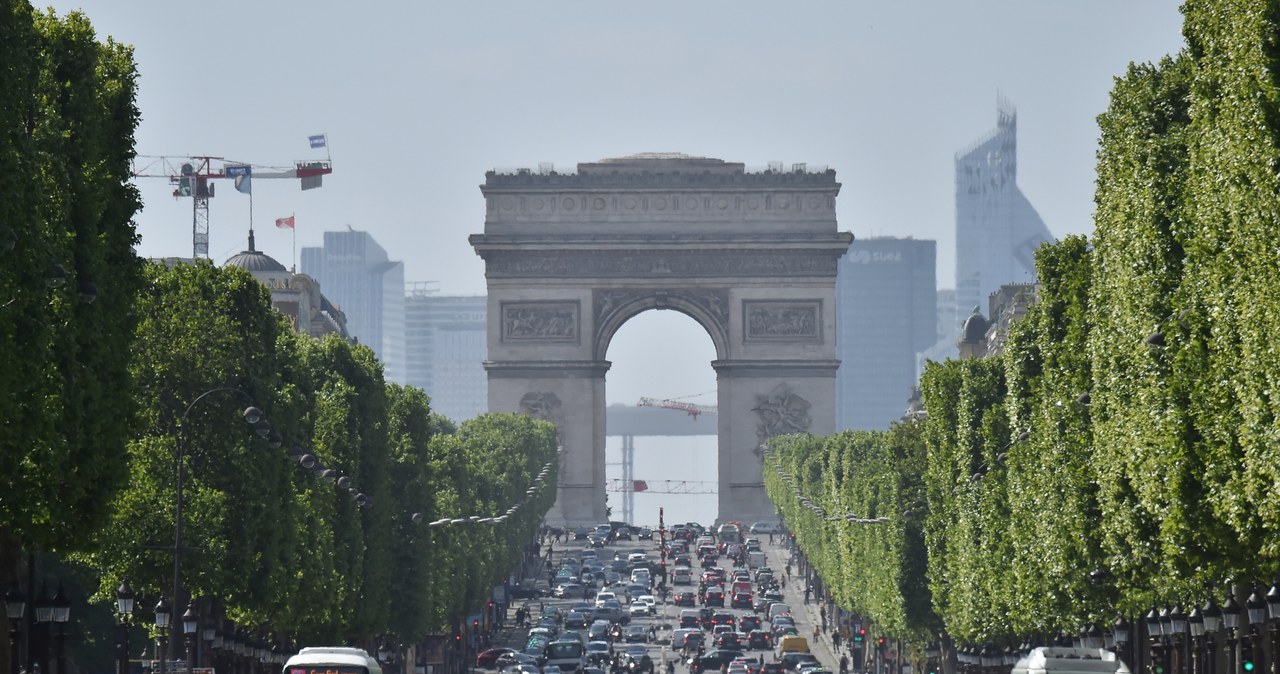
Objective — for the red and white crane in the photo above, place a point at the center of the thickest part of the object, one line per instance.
(691, 409)
(193, 176)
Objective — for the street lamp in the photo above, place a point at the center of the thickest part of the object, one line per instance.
(124, 608)
(1212, 622)
(1257, 608)
(61, 614)
(190, 623)
(15, 605)
(252, 416)
(1273, 611)
(1231, 621)
(163, 615)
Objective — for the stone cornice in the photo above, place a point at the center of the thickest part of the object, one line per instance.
(546, 369)
(558, 182)
(661, 264)
(776, 368)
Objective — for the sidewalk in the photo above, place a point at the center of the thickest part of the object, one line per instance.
(807, 615)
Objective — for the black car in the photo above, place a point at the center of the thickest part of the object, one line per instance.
(728, 640)
(580, 534)
(713, 598)
(685, 598)
(645, 534)
(748, 622)
(712, 661)
(759, 640)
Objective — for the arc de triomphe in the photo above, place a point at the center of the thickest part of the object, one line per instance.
(751, 256)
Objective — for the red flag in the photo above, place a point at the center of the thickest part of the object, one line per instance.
(285, 223)
(639, 485)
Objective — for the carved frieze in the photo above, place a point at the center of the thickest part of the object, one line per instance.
(714, 304)
(540, 321)
(696, 263)
(782, 321)
(543, 405)
(780, 412)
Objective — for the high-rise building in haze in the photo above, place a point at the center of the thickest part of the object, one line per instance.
(446, 347)
(997, 229)
(357, 275)
(886, 312)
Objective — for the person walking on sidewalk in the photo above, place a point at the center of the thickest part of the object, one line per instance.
(816, 634)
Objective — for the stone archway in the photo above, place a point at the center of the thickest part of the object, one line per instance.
(750, 256)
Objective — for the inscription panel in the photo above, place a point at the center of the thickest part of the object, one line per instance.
(546, 322)
(613, 264)
(782, 321)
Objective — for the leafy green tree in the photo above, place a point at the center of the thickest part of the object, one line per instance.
(66, 209)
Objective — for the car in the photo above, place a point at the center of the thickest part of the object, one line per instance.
(575, 620)
(760, 603)
(639, 609)
(551, 669)
(728, 640)
(636, 634)
(712, 661)
(793, 659)
(759, 640)
(740, 600)
(566, 590)
(748, 622)
(713, 598)
(763, 528)
(580, 533)
(599, 631)
(521, 669)
(599, 652)
(488, 659)
(724, 618)
(645, 534)
(773, 667)
(651, 601)
(686, 598)
(514, 659)
(635, 650)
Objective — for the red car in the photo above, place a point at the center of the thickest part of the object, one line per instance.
(489, 659)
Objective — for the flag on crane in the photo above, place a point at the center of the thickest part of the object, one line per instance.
(639, 485)
(285, 223)
(243, 176)
(318, 141)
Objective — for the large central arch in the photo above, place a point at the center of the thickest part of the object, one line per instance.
(751, 256)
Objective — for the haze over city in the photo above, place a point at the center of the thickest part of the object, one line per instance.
(418, 101)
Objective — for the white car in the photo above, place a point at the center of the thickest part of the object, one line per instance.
(763, 528)
(650, 601)
(602, 597)
(639, 608)
(635, 557)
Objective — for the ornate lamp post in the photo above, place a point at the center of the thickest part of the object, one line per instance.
(1180, 641)
(15, 605)
(163, 616)
(1257, 610)
(44, 616)
(1154, 640)
(61, 614)
(190, 623)
(124, 609)
(1212, 622)
(1273, 611)
(1120, 631)
(1195, 639)
(1231, 621)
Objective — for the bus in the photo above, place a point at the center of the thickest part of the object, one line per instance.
(331, 660)
(729, 532)
(569, 655)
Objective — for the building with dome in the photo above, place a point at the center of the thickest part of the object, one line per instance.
(297, 296)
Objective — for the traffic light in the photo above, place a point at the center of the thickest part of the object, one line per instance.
(882, 644)
(1158, 661)
(1247, 663)
(859, 635)
(475, 624)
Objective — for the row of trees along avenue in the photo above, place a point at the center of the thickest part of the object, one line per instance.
(101, 354)
(1123, 451)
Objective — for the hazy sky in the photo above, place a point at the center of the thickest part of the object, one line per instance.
(419, 99)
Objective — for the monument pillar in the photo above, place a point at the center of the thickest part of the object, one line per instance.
(569, 394)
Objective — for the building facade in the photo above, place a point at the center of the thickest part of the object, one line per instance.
(886, 312)
(997, 228)
(445, 352)
(357, 275)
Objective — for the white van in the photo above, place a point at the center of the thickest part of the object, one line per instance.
(1053, 660)
(756, 559)
(330, 659)
(682, 575)
(776, 609)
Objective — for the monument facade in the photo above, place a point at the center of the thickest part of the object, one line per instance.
(750, 255)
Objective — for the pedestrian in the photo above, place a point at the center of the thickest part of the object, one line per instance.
(816, 634)
(844, 664)
(770, 538)
(806, 595)
(782, 582)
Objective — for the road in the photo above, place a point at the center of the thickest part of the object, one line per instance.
(667, 614)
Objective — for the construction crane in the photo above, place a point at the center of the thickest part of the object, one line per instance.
(193, 176)
(691, 409)
(660, 486)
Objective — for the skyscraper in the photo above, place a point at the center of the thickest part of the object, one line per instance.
(886, 311)
(997, 229)
(446, 345)
(357, 275)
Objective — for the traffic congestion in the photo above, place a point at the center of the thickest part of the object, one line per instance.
(633, 600)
